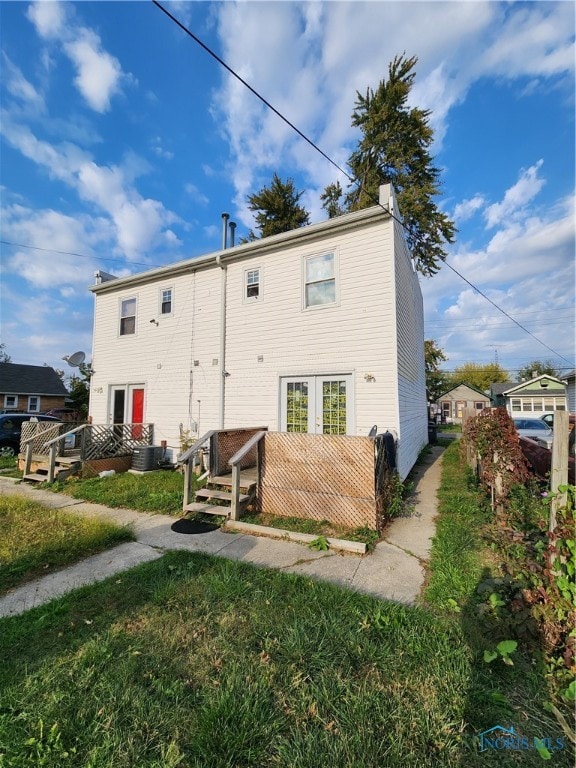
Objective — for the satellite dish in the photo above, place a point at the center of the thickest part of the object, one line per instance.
(76, 359)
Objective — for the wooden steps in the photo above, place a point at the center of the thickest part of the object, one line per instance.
(64, 467)
(218, 489)
(207, 509)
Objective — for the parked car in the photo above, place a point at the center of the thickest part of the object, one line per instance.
(534, 428)
(64, 414)
(539, 457)
(11, 427)
(548, 419)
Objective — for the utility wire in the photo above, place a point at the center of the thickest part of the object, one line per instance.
(332, 162)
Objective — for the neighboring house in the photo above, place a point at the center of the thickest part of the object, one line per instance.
(31, 388)
(570, 380)
(538, 396)
(463, 396)
(316, 330)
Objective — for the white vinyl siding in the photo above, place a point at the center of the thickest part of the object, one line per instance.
(357, 335)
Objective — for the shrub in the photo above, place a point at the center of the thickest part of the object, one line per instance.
(492, 438)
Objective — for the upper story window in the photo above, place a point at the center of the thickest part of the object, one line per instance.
(252, 284)
(320, 280)
(127, 317)
(10, 401)
(33, 404)
(166, 301)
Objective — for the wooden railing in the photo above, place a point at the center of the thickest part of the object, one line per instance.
(235, 461)
(188, 458)
(97, 441)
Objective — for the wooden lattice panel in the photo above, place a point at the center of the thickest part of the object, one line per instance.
(230, 441)
(45, 431)
(93, 467)
(322, 477)
(341, 510)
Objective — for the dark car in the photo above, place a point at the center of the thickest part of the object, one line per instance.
(64, 414)
(11, 426)
(539, 457)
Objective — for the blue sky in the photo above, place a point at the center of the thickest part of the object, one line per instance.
(122, 141)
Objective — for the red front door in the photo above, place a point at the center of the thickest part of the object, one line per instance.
(137, 412)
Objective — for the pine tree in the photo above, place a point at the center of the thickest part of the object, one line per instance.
(394, 148)
(277, 208)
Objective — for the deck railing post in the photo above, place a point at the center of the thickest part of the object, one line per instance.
(52, 462)
(235, 490)
(28, 461)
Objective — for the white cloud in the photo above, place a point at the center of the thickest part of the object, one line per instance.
(525, 189)
(309, 66)
(467, 208)
(526, 268)
(48, 17)
(99, 73)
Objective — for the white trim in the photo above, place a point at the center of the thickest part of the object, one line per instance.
(251, 299)
(121, 301)
(161, 290)
(37, 409)
(7, 404)
(333, 252)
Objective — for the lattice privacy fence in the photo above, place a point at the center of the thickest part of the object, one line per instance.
(322, 477)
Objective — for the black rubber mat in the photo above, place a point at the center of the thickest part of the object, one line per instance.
(192, 526)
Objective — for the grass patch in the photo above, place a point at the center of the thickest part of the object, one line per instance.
(315, 527)
(195, 661)
(199, 661)
(35, 540)
(459, 554)
(161, 492)
(8, 462)
(464, 578)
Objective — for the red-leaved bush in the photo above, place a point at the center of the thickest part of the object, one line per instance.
(492, 439)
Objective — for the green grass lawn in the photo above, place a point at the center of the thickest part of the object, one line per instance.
(36, 540)
(194, 661)
(160, 491)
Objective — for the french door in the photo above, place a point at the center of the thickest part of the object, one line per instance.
(320, 405)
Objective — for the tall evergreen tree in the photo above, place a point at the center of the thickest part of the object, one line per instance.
(277, 208)
(394, 148)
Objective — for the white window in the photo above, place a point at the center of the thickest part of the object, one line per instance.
(319, 280)
(127, 317)
(516, 404)
(252, 284)
(479, 405)
(166, 301)
(10, 401)
(33, 404)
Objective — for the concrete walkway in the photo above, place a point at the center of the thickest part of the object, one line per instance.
(394, 571)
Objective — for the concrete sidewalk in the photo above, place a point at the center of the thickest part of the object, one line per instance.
(394, 571)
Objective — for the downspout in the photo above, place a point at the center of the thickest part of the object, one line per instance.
(223, 281)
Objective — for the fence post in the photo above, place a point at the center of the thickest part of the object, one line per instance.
(559, 469)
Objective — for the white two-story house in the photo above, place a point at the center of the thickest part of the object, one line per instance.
(315, 330)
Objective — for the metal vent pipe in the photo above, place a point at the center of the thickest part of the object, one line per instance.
(232, 232)
(225, 217)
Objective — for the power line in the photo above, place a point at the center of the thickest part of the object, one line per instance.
(352, 180)
(79, 255)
